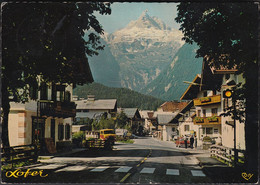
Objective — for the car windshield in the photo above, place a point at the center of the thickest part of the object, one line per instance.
(109, 132)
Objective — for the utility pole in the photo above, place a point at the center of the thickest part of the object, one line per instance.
(235, 114)
(230, 94)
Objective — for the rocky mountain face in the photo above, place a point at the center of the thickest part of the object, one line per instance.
(184, 67)
(105, 68)
(139, 55)
(142, 50)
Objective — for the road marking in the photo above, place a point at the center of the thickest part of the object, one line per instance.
(125, 177)
(72, 168)
(123, 169)
(147, 170)
(49, 166)
(197, 173)
(172, 172)
(100, 169)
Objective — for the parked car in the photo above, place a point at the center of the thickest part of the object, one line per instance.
(180, 142)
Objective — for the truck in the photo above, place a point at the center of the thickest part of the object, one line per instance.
(108, 134)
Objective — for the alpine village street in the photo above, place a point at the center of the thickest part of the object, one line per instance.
(130, 92)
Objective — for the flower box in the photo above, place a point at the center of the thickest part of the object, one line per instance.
(205, 99)
(199, 119)
(213, 119)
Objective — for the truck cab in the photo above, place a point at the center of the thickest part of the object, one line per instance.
(107, 134)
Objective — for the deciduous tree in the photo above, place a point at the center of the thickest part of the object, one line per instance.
(46, 40)
(227, 34)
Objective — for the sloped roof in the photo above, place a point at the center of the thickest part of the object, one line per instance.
(130, 112)
(145, 113)
(172, 106)
(104, 104)
(185, 109)
(193, 89)
(165, 118)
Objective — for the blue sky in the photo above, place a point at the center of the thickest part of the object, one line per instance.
(123, 13)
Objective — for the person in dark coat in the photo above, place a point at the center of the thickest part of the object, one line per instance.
(191, 141)
(195, 140)
(186, 141)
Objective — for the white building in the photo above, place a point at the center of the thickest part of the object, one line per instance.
(166, 129)
(93, 109)
(45, 121)
(184, 121)
(229, 79)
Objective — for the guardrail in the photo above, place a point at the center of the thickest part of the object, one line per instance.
(15, 154)
(226, 154)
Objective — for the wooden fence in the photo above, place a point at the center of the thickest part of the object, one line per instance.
(22, 153)
(226, 154)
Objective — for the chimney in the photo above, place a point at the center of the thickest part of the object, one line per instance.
(91, 97)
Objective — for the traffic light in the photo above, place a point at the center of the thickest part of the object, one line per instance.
(227, 93)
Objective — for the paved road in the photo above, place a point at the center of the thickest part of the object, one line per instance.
(146, 161)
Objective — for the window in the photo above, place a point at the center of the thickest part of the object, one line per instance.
(215, 131)
(199, 113)
(67, 131)
(67, 96)
(209, 130)
(61, 132)
(85, 110)
(204, 112)
(205, 94)
(173, 129)
(214, 92)
(44, 91)
(214, 111)
(186, 127)
(33, 92)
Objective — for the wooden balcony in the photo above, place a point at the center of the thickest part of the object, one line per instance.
(207, 121)
(207, 100)
(57, 109)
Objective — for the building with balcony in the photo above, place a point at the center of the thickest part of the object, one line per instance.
(45, 121)
(207, 105)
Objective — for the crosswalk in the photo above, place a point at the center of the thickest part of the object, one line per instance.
(119, 169)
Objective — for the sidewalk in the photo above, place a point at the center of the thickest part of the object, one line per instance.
(50, 156)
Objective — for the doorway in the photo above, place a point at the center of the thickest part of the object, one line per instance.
(38, 131)
(53, 129)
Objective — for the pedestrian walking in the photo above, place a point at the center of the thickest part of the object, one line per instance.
(191, 141)
(186, 141)
(195, 142)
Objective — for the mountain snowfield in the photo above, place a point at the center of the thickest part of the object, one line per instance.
(146, 28)
(135, 56)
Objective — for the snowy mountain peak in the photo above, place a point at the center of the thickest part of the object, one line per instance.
(146, 21)
(144, 15)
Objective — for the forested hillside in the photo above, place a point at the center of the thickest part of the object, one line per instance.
(126, 98)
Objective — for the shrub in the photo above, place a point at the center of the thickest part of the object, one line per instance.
(78, 137)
